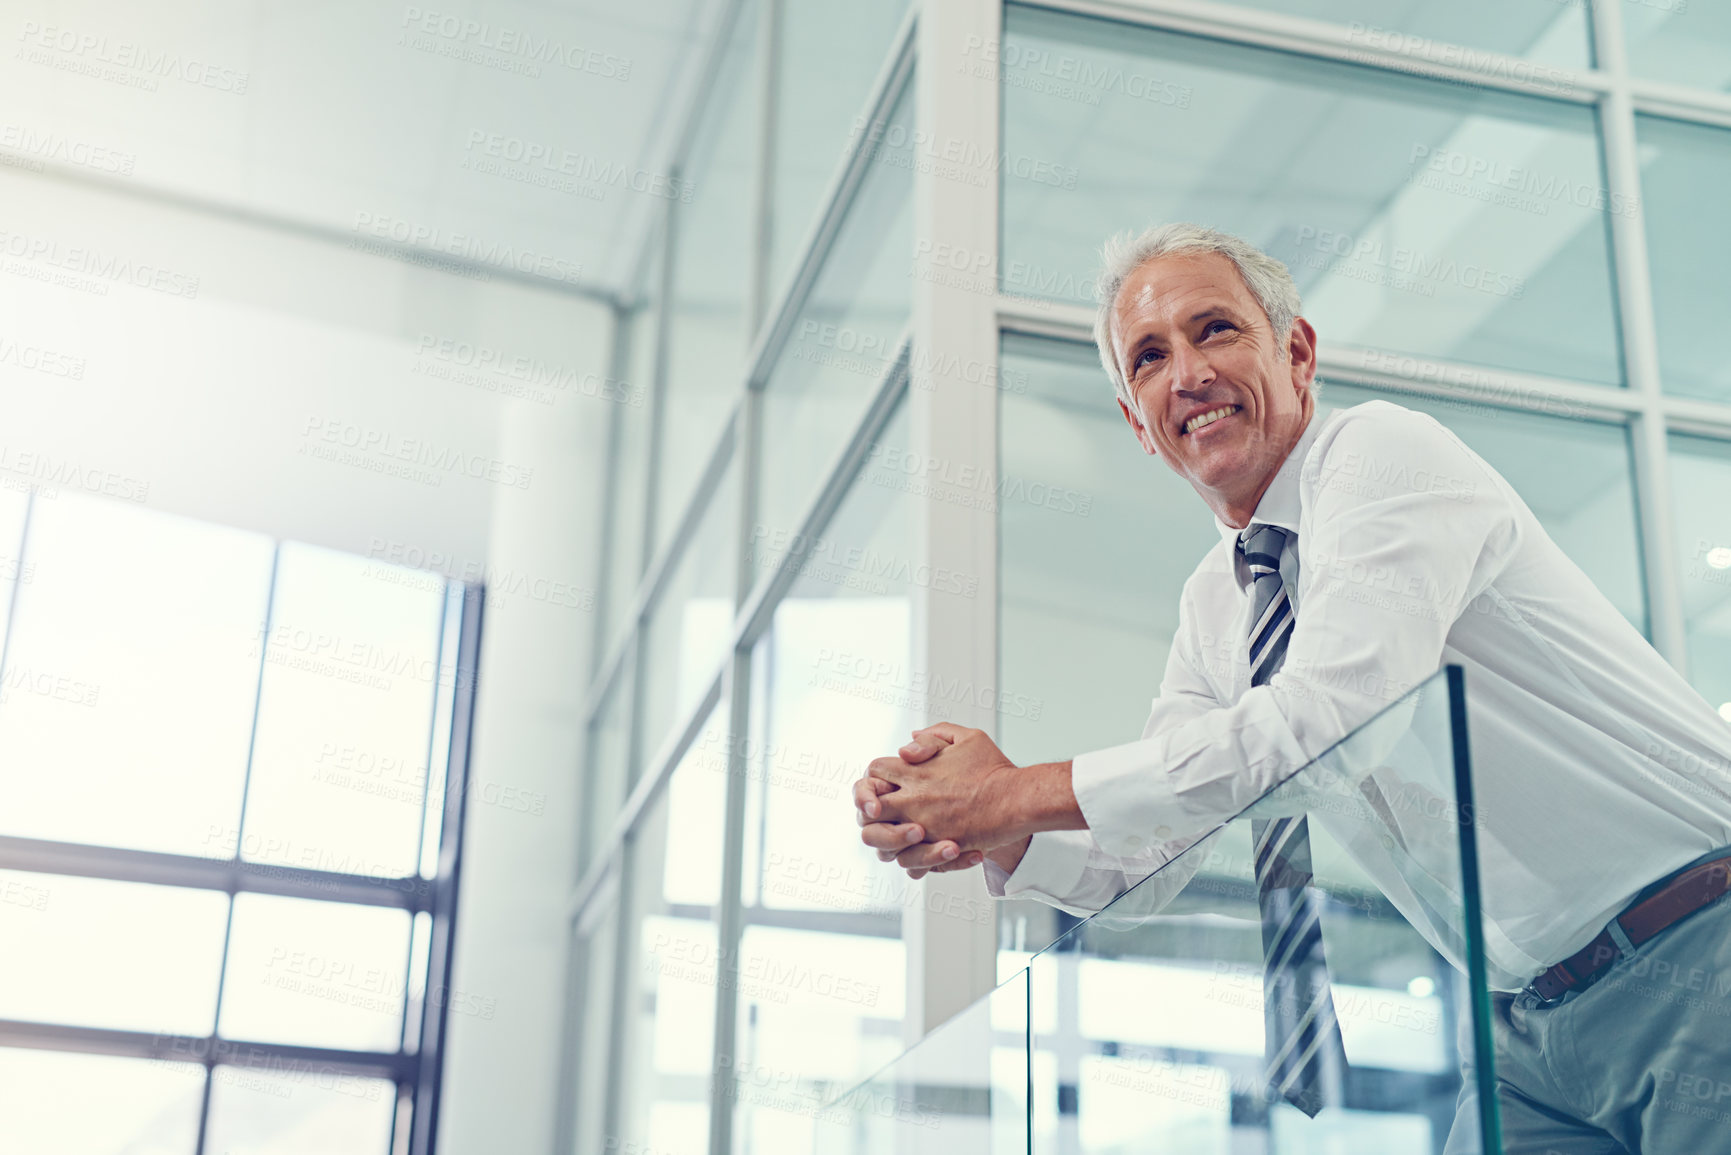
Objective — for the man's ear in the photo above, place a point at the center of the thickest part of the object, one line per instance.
(1141, 430)
(1301, 350)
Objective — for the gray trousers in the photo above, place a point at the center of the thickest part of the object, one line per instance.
(1639, 1063)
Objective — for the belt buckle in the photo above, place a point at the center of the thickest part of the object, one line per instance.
(1528, 998)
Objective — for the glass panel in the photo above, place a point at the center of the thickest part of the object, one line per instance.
(305, 1110)
(820, 1007)
(1682, 167)
(609, 745)
(831, 53)
(709, 331)
(1700, 479)
(126, 705)
(1096, 540)
(1416, 215)
(1148, 1028)
(1679, 41)
(323, 974)
(689, 627)
(962, 1091)
(1575, 475)
(844, 341)
(340, 760)
(72, 1104)
(92, 953)
(817, 1010)
(1543, 31)
(668, 1055)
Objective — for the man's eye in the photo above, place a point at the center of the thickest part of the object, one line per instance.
(1146, 357)
(1217, 327)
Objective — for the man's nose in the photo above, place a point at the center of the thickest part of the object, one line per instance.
(1191, 371)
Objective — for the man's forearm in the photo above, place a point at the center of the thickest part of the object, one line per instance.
(1041, 799)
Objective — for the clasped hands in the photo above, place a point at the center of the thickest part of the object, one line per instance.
(947, 802)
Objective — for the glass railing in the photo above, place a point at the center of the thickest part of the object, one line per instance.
(1146, 1027)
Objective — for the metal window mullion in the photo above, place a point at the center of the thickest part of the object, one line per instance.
(1667, 623)
(662, 324)
(729, 915)
(1425, 58)
(163, 1047)
(612, 486)
(435, 1015)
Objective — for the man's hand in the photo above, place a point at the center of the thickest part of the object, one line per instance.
(949, 782)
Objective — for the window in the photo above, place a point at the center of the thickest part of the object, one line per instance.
(225, 773)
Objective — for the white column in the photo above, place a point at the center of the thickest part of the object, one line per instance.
(951, 958)
(502, 1065)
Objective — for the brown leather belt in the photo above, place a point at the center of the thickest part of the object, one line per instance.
(1673, 901)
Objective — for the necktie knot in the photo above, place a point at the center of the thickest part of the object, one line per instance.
(1261, 546)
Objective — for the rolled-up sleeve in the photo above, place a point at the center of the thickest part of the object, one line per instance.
(1401, 526)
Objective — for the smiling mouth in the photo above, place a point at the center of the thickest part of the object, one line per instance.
(1204, 420)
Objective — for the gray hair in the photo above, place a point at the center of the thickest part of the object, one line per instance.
(1269, 280)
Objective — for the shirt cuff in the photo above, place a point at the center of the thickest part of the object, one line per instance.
(1126, 798)
(1052, 867)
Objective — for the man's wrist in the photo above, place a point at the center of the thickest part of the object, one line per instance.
(1034, 799)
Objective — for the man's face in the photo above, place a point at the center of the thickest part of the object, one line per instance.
(1216, 394)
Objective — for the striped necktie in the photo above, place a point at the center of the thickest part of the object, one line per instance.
(1303, 1036)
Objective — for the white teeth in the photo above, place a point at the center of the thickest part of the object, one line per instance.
(1209, 418)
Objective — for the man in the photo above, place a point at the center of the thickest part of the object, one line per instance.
(1600, 774)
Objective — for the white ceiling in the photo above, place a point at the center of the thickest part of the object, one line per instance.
(373, 118)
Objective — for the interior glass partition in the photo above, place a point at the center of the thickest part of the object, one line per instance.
(1680, 164)
(845, 338)
(1146, 1023)
(1418, 215)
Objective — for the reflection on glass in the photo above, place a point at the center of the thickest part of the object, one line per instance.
(844, 342)
(1149, 1018)
(92, 953)
(1575, 475)
(689, 626)
(276, 1113)
(831, 51)
(962, 1091)
(127, 695)
(709, 331)
(1700, 479)
(1684, 168)
(667, 1056)
(1416, 215)
(339, 770)
(72, 1104)
(819, 1009)
(1679, 42)
(322, 974)
(1542, 31)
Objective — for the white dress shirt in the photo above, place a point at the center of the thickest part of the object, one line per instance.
(1596, 767)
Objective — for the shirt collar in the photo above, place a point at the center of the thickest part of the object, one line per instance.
(1280, 501)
